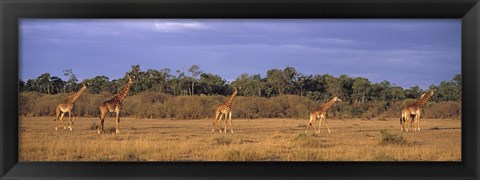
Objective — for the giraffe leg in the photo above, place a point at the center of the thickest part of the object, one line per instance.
(309, 123)
(412, 121)
(217, 114)
(414, 118)
(319, 125)
(100, 126)
(230, 118)
(220, 122)
(73, 116)
(314, 122)
(61, 119)
(225, 125)
(418, 122)
(70, 120)
(402, 120)
(57, 119)
(103, 113)
(407, 119)
(117, 123)
(326, 123)
(73, 120)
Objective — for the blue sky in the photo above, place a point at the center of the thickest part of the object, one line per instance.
(405, 52)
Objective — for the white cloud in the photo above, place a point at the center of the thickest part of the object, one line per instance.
(108, 27)
(178, 26)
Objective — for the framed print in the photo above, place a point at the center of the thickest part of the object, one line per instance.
(226, 89)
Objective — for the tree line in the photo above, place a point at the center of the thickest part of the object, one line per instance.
(278, 82)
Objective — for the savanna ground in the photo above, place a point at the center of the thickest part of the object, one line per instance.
(253, 140)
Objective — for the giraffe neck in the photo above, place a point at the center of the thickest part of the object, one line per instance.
(423, 100)
(71, 99)
(229, 101)
(426, 98)
(327, 105)
(419, 101)
(125, 91)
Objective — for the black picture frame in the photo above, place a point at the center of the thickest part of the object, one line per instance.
(12, 10)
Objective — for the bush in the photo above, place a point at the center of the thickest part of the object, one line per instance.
(243, 154)
(392, 139)
(223, 140)
(447, 109)
(159, 105)
(301, 137)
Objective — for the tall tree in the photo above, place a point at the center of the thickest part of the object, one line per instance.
(333, 86)
(281, 80)
(71, 84)
(212, 84)
(457, 81)
(276, 80)
(21, 85)
(195, 71)
(98, 84)
(384, 93)
(346, 89)
(251, 85)
(413, 92)
(43, 83)
(447, 91)
(397, 93)
(139, 85)
(361, 88)
(174, 85)
(290, 75)
(57, 85)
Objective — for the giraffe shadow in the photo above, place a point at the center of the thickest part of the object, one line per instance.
(437, 128)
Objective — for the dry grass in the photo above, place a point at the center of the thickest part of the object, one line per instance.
(254, 140)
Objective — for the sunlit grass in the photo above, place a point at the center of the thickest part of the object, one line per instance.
(253, 140)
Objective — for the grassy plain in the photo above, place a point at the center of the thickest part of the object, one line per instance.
(253, 140)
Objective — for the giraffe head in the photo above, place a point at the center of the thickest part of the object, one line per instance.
(337, 99)
(86, 84)
(236, 88)
(131, 77)
(432, 92)
(421, 97)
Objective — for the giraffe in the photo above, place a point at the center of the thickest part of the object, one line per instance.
(403, 123)
(225, 109)
(114, 105)
(67, 106)
(322, 114)
(415, 110)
